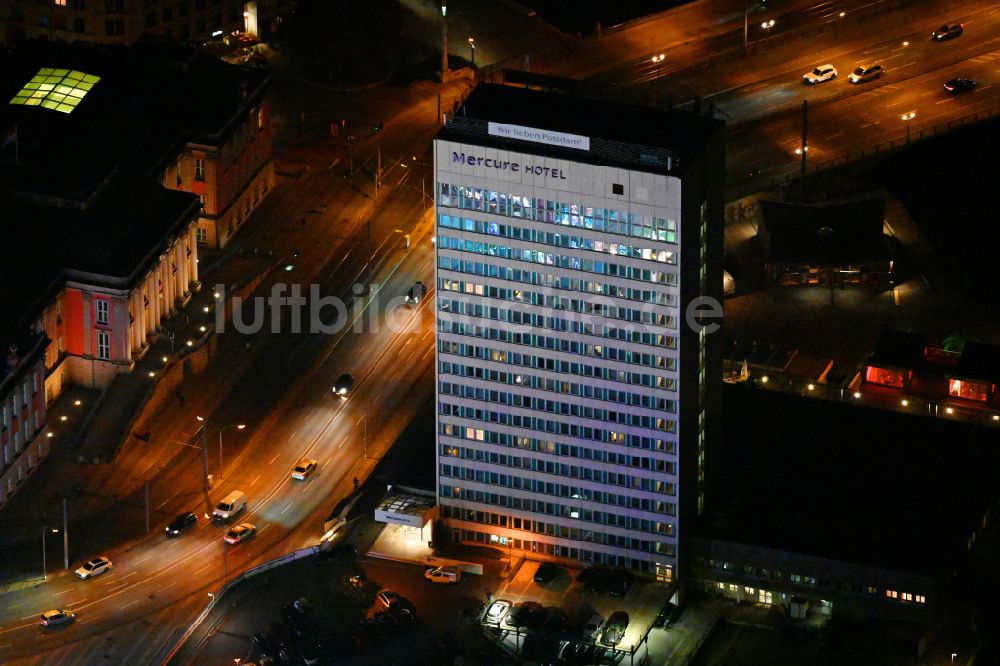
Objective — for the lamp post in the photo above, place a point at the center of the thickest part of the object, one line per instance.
(906, 118)
(767, 25)
(45, 570)
(657, 59)
(444, 41)
(472, 50)
(222, 429)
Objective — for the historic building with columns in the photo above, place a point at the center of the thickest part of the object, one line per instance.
(100, 233)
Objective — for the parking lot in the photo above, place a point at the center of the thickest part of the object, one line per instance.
(642, 602)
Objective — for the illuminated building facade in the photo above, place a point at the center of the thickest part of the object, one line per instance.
(97, 252)
(125, 21)
(576, 406)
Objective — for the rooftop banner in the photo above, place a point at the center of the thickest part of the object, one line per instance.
(534, 135)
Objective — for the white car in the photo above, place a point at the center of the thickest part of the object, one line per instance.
(448, 574)
(95, 567)
(496, 612)
(303, 469)
(820, 74)
(53, 618)
(240, 533)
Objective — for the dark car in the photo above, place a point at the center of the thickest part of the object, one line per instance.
(947, 32)
(666, 616)
(605, 580)
(615, 628)
(577, 654)
(555, 621)
(955, 86)
(546, 573)
(263, 645)
(343, 385)
(519, 614)
(181, 523)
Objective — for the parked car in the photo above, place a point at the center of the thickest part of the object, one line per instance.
(955, 86)
(496, 612)
(343, 385)
(447, 574)
(555, 621)
(387, 598)
(240, 533)
(546, 572)
(303, 469)
(948, 32)
(181, 523)
(518, 615)
(820, 74)
(416, 293)
(592, 627)
(605, 580)
(263, 645)
(577, 654)
(666, 616)
(614, 629)
(95, 567)
(54, 618)
(862, 74)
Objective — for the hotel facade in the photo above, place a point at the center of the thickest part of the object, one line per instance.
(576, 391)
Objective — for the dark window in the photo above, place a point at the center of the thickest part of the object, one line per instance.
(150, 19)
(114, 6)
(168, 14)
(182, 8)
(76, 4)
(78, 25)
(199, 5)
(617, 188)
(184, 32)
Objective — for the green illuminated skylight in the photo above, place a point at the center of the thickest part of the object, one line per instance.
(56, 89)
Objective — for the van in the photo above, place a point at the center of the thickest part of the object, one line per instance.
(234, 502)
(447, 574)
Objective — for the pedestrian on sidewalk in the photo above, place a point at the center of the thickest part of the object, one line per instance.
(355, 483)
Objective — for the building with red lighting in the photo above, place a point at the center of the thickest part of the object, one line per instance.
(100, 238)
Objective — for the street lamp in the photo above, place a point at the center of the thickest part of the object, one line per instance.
(767, 25)
(472, 50)
(657, 59)
(906, 118)
(45, 571)
(238, 426)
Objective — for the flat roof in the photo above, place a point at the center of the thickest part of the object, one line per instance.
(978, 361)
(848, 232)
(844, 482)
(631, 137)
(898, 349)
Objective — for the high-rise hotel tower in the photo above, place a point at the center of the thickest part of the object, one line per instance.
(577, 392)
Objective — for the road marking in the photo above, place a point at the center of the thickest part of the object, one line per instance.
(115, 580)
(5, 645)
(202, 569)
(948, 99)
(286, 508)
(305, 487)
(161, 504)
(275, 456)
(28, 617)
(89, 619)
(59, 594)
(131, 603)
(906, 65)
(166, 586)
(255, 479)
(75, 603)
(144, 559)
(292, 436)
(408, 341)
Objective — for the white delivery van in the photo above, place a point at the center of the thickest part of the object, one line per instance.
(234, 503)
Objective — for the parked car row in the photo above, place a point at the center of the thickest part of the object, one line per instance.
(298, 638)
